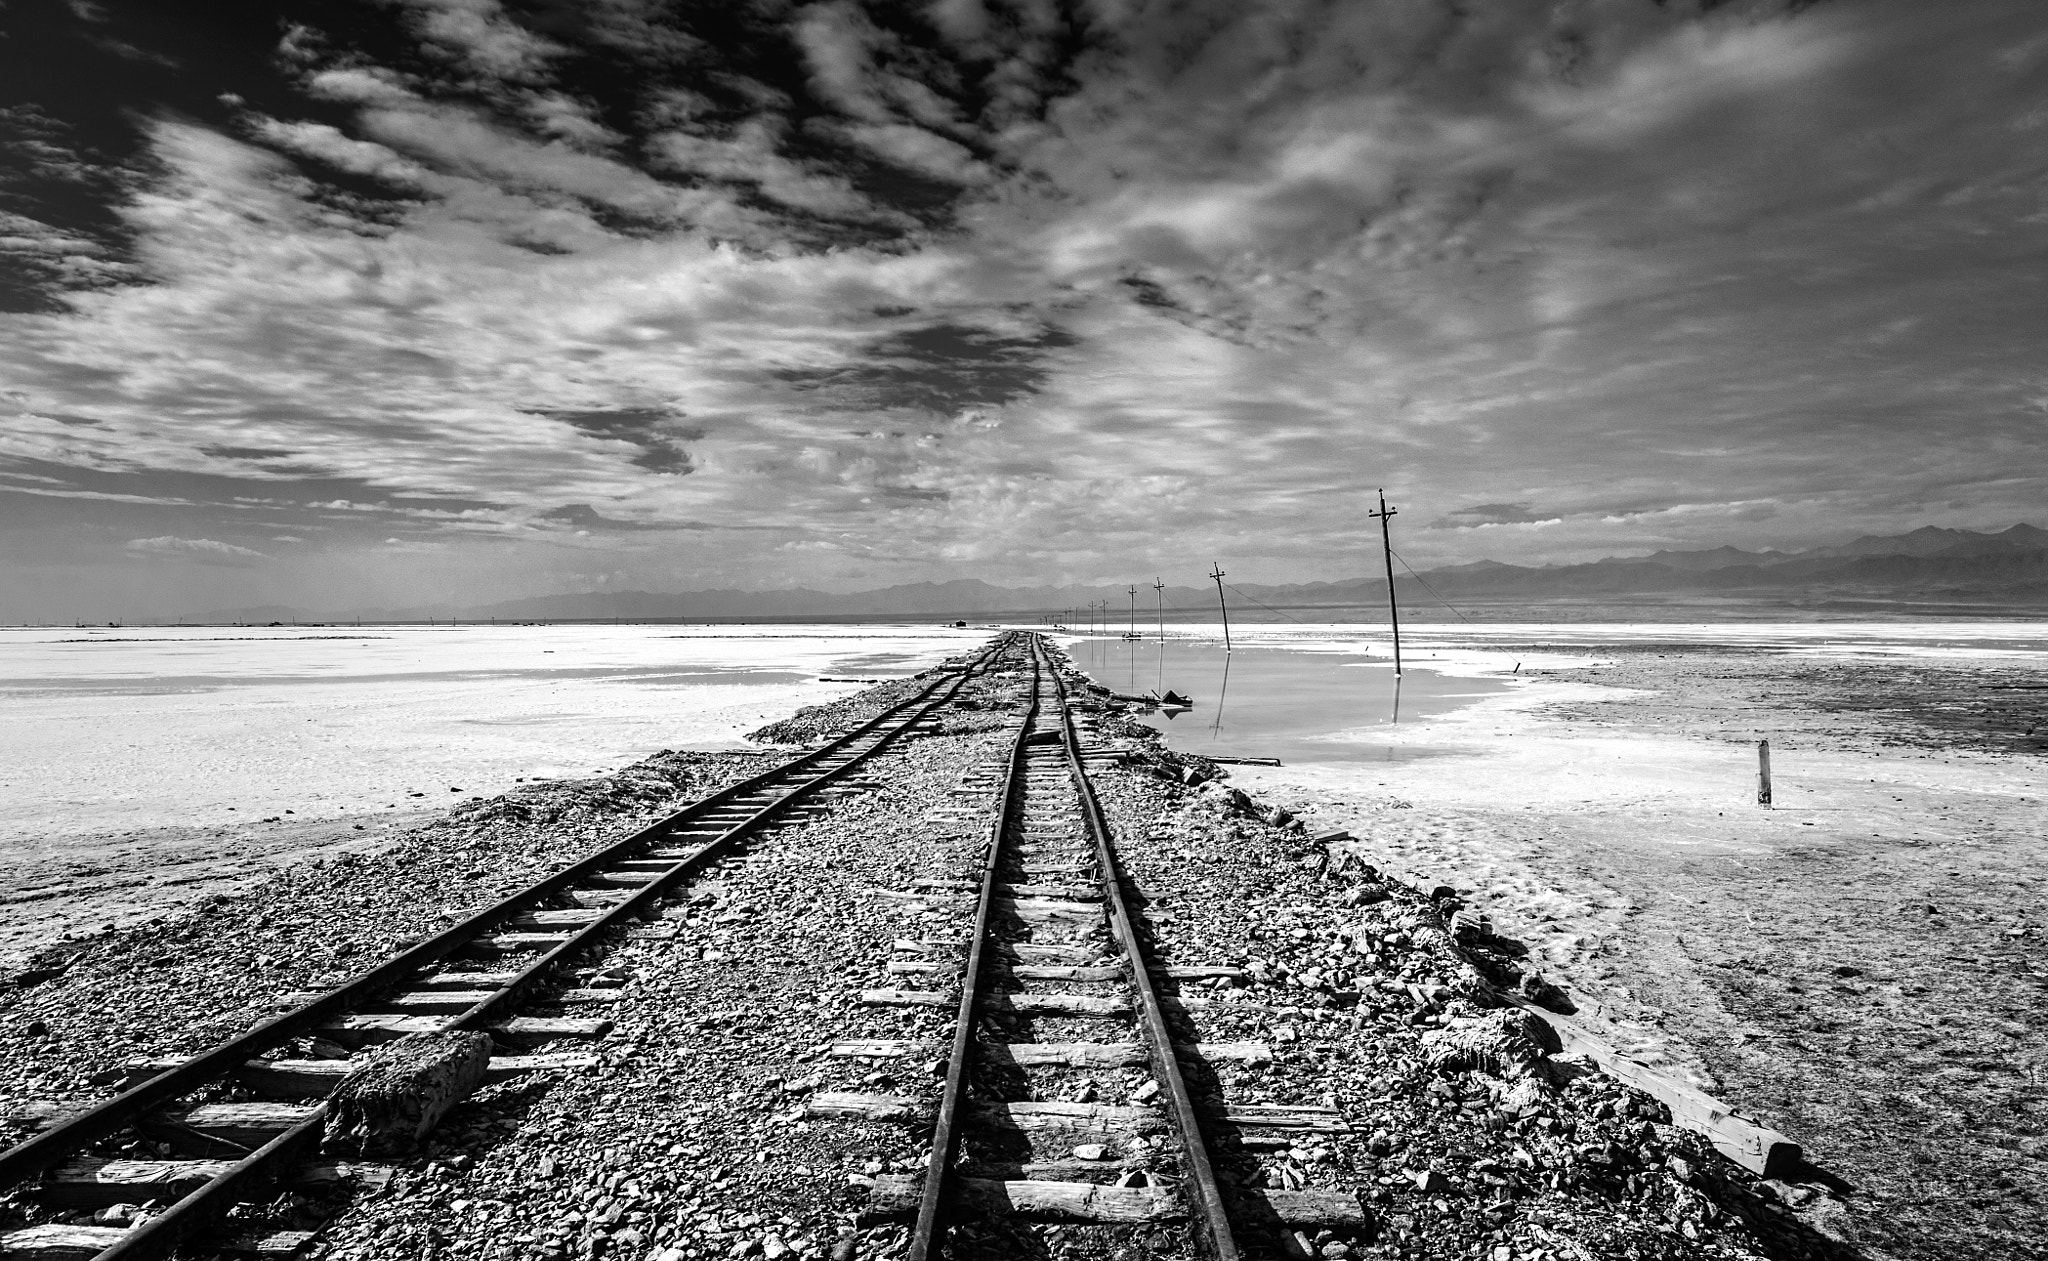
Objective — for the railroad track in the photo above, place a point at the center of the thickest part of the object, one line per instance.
(228, 1128)
(1053, 953)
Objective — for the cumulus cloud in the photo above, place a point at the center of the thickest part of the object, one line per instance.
(480, 37)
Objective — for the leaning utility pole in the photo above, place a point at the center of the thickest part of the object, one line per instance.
(1386, 514)
(1159, 594)
(1216, 572)
(1133, 632)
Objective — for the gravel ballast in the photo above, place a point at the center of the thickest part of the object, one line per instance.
(689, 1136)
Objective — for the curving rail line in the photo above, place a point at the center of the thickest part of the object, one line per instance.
(619, 883)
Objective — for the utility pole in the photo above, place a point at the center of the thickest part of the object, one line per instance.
(1216, 572)
(1386, 514)
(1159, 594)
(1133, 590)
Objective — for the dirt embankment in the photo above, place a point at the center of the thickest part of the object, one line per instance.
(1863, 966)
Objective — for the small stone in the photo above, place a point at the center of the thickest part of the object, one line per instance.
(1145, 1093)
(1090, 1151)
(1336, 1250)
(1429, 1181)
(1680, 1167)
(773, 1249)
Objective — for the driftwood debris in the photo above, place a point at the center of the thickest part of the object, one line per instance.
(399, 1092)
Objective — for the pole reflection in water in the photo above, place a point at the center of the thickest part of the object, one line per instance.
(1397, 699)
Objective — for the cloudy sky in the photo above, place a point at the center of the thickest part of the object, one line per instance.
(389, 301)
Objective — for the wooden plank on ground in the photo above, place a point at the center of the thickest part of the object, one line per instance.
(250, 1124)
(1297, 1208)
(1036, 910)
(1031, 1200)
(93, 1182)
(1065, 972)
(1282, 1117)
(1754, 1146)
(315, 1079)
(1034, 952)
(1085, 1118)
(59, 1243)
(908, 998)
(365, 1028)
(515, 943)
(1090, 1006)
(540, 921)
(1196, 973)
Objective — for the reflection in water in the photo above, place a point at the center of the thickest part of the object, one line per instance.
(1276, 702)
(1222, 694)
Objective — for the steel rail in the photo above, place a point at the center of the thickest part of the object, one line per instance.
(946, 1126)
(1212, 1212)
(41, 1151)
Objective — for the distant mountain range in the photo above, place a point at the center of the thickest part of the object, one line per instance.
(2006, 568)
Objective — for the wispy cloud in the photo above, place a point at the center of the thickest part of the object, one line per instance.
(848, 292)
(204, 551)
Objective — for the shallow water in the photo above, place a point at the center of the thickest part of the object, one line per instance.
(1298, 706)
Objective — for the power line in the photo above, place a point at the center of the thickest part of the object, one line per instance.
(1426, 587)
(1269, 608)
